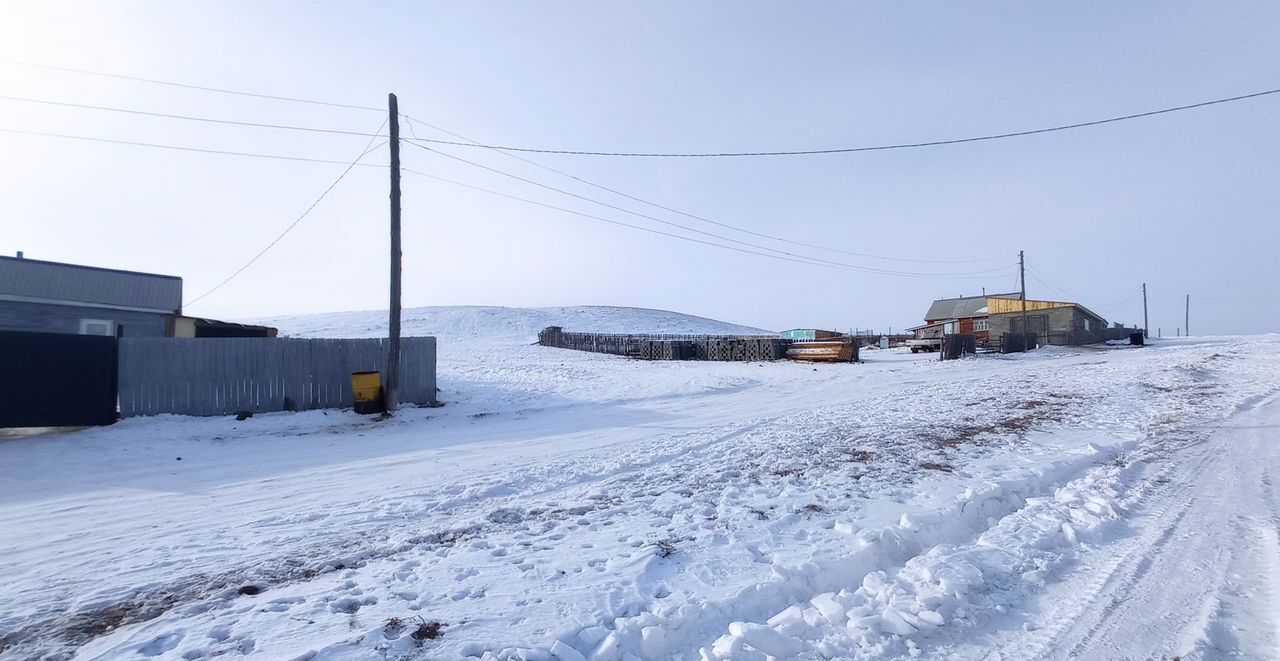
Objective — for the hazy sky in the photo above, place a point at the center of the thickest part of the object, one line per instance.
(1187, 202)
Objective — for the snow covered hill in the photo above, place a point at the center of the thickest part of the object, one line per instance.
(494, 324)
(487, 359)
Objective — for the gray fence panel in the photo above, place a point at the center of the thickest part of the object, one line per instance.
(418, 370)
(661, 346)
(221, 376)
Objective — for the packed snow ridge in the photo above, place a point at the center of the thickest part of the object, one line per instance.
(1067, 503)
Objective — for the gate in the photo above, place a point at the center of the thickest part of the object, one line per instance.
(957, 345)
(57, 380)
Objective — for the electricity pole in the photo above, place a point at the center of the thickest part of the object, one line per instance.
(1022, 279)
(1186, 326)
(1145, 335)
(393, 322)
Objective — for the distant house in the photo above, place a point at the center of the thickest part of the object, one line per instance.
(808, 334)
(991, 316)
(54, 297)
(965, 314)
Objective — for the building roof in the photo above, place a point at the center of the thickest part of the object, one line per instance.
(961, 308)
(939, 323)
(72, 284)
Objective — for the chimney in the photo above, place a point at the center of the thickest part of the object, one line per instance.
(19, 254)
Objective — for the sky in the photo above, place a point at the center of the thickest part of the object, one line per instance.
(1186, 202)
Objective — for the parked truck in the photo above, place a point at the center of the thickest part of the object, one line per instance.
(926, 338)
(925, 344)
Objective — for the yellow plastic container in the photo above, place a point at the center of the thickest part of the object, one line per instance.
(366, 390)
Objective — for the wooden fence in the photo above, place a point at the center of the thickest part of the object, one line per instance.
(670, 347)
(222, 376)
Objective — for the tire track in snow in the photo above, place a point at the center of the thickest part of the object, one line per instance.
(778, 638)
(1168, 592)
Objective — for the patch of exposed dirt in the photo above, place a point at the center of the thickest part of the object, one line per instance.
(426, 631)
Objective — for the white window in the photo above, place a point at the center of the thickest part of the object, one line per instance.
(1086, 324)
(97, 327)
(981, 325)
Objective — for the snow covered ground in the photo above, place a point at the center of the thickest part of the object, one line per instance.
(1068, 503)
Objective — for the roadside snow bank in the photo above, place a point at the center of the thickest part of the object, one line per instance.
(938, 580)
(887, 612)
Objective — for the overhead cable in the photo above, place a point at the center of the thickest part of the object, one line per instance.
(180, 148)
(850, 150)
(202, 88)
(412, 120)
(191, 118)
(675, 236)
(367, 148)
(683, 227)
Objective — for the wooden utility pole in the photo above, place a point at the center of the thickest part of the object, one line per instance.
(1022, 279)
(393, 322)
(1145, 334)
(1186, 326)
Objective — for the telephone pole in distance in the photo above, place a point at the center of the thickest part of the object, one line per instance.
(1022, 279)
(1145, 334)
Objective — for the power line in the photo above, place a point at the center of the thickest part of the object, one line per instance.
(1133, 298)
(1040, 277)
(346, 132)
(849, 150)
(806, 152)
(667, 234)
(802, 260)
(683, 227)
(191, 118)
(367, 148)
(704, 219)
(202, 88)
(545, 167)
(412, 120)
(180, 148)
(605, 188)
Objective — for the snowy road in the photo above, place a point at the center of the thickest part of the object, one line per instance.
(1067, 503)
(1197, 574)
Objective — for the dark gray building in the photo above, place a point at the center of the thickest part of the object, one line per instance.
(1054, 322)
(52, 297)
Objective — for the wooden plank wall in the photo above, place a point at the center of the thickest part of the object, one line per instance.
(1009, 305)
(223, 376)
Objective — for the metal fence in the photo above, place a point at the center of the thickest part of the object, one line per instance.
(222, 376)
(57, 379)
(958, 345)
